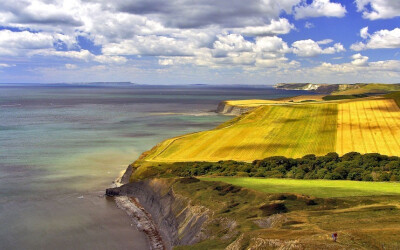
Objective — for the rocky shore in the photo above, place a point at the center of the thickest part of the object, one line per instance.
(166, 218)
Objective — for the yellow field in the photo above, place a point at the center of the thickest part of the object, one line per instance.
(287, 100)
(369, 127)
(250, 103)
(292, 131)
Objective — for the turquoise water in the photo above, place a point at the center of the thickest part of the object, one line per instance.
(61, 147)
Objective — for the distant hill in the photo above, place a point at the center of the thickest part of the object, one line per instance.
(341, 89)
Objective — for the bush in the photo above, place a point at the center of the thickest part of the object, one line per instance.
(351, 166)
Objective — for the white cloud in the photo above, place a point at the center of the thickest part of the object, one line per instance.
(110, 59)
(310, 48)
(378, 9)
(83, 55)
(6, 65)
(151, 46)
(382, 39)
(364, 33)
(166, 62)
(230, 43)
(309, 25)
(70, 66)
(276, 27)
(234, 51)
(319, 8)
(189, 14)
(15, 43)
(359, 60)
(369, 70)
(194, 35)
(271, 47)
(325, 41)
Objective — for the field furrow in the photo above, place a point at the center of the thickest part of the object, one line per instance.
(369, 126)
(365, 126)
(288, 130)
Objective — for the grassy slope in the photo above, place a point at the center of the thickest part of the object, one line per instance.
(366, 126)
(364, 216)
(395, 96)
(374, 88)
(361, 222)
(316, 188)
(288, 130)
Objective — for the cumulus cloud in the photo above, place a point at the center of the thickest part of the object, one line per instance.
(319, 8)
(16, 43)
(210, 34)
(196, 14)
(364, 33)
(382, 39)
(369, 69)
(230, 43)
(325, 41)
(151, 46)
(83, 55)
(310, 48)
(359, 60)
(378, 9)
(232, 50)
(276, 27)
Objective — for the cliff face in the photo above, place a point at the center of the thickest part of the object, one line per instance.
(226, 109)
(317, 88)
(177, 221)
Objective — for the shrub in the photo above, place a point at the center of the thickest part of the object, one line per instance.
(274, 208)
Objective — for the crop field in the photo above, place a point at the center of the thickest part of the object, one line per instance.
(316, 188)
(284, 100)
(292, 131)
(368, 127)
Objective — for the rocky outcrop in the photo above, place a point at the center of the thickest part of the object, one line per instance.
(226, 109)
(318, 88)
(175, 219)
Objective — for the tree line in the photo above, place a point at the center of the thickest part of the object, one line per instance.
(351, 166)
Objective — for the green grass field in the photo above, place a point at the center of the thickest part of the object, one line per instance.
(288, 130)
(317, 188)
(368, 221)
(374, 88)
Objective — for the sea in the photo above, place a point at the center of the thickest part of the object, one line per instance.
(62, 145)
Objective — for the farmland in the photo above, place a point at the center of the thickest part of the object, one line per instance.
(266, 131)
(303, 200)
(369, 126)
(316, 188)
(277, 127)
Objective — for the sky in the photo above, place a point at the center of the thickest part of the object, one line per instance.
(200, 41)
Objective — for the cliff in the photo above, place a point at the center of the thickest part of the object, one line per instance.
(318, 88)
(162, 214)
(227, 109)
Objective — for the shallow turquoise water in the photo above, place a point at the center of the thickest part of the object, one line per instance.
(61, 147)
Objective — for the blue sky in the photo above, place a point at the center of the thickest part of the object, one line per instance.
(204, 41)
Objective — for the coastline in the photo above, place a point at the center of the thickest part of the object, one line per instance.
(142, 220)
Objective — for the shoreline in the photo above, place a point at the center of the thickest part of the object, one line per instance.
(142, 220)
